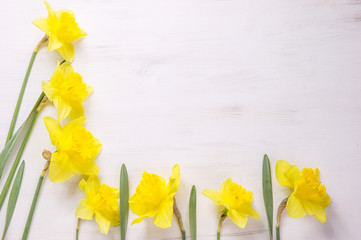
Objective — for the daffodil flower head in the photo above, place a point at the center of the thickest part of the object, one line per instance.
(235, 200)
(154, 198)
(67, 91)
(76, 149)
(62, 31)
(101, 201)
(309, 196)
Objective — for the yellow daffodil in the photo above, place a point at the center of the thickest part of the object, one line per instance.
(235, 200)
(76, 149)
(62, 30)
(154, 197)
(309, 196)
(67, 91)
(101, 201)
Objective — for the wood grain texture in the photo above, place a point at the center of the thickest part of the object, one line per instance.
(209, 84)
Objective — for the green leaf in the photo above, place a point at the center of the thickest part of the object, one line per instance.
(193, 213)
(14, 193)
(5, 153)
(267, 193)
(17, 160)
(123, 201)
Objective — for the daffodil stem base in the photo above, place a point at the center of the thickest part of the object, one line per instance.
(221, 220)
(35, 200)
(281, 207)
(278, 233)
(77, 230)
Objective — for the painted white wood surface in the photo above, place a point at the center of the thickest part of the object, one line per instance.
(209, 84)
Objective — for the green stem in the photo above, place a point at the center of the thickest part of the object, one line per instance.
(221, 220)
(282, 207)
(20, 97)
(22, 90)
(178, 215)
(35, 200)
(77, 230)
(17, 160)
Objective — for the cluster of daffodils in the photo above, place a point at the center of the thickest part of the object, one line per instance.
(77, 149)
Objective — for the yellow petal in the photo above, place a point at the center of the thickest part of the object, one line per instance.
(82, 185)
(93, 186)
(82, 33)
(48, 90)
(315, 209)
(103, 223)
(138, 220)
(51, 12)
(225, 185)
(73, 124)
(67, 51)
(173, 183)
(163, 218)
(42, 23)
(295, 207)
(213, 195)
(239, 220)
(89, 89)
(84, 211)
(66, 68)
(85, 167)
(54, 129)
(248, 211)
(60, 169)
(286, 174)
(77, 111)
(54, 43)
(63, 109)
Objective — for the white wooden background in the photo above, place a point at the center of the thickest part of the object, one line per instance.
(209, 84)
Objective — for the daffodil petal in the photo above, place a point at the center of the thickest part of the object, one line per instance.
(225, 185)
(48, 90)
(54, 129)
(164, 216)
(66, 68)
(82, 33)
(67, 51)
(89, 89)
(103, 223)
(93, 186)
(51, 12)
(63, 109)
(84, 211)
(73, 124)
(137, 220)
(82, 185)
(54, 43)
(213, 195)
(60, 168)
(286, 174)
(239, 220)
(42, 23)
(173, 183)
(85, 167)
(77, 111)
(295, 207)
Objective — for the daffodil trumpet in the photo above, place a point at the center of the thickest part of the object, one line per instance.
(23, 87)
(308, 195)
(47, 156)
